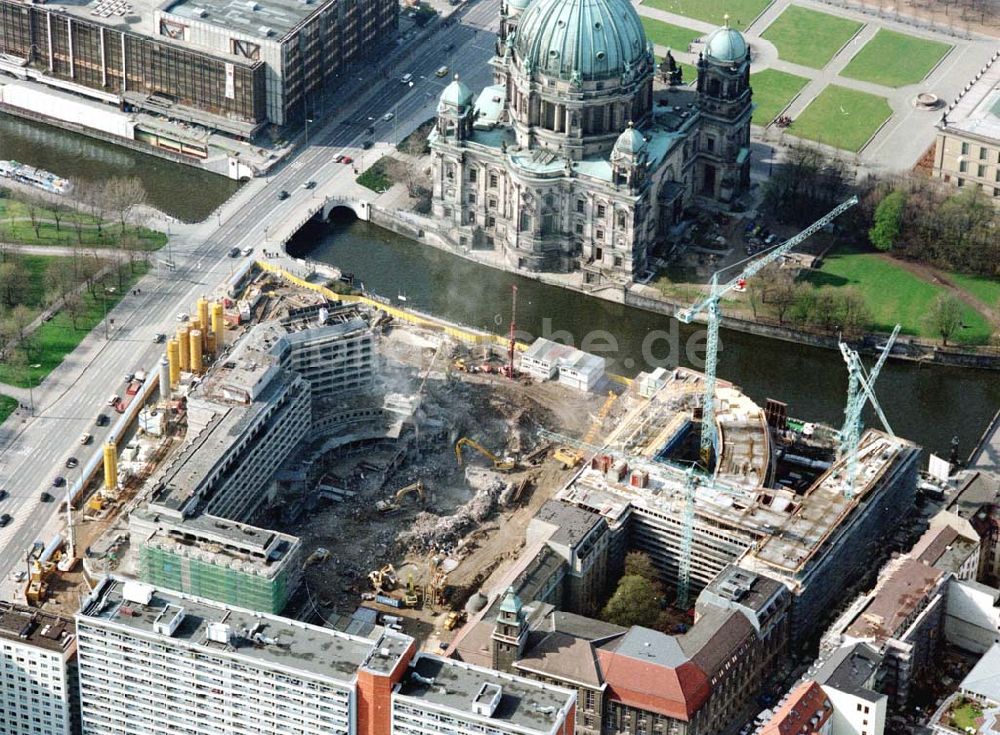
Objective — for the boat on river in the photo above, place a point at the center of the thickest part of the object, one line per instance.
(36, 177)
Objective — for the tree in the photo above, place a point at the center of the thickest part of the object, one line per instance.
(783, 292)
(60, 276)
(636, 601)
(639, 564)
(945, 317)
(884, 234)
(122, 195)
(21, 317)
(73, 305)
(13, 281)
(32, 205)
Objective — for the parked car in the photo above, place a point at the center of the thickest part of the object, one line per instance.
(86, 438)
(3, 494)
(45, 497)
(102, 419)
(159, 338)
(367, 144)
(283, 194)
(58, 481)
(234, 252)
(5, 519)
(182, 316)
(309, 184)
(339, 158)
(72, 462)
(348, 160)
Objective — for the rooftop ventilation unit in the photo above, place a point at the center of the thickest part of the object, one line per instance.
(265, 31)
(199, 12)
(167, 621)
(252, 6)
(219, 632)
(137, 592)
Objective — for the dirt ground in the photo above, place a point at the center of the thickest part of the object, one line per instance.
(499, 413)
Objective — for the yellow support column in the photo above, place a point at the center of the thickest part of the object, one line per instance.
(185, 344)
(174, 358)
(218, 326)
(110, 466)
(196, 365)
(203, 321)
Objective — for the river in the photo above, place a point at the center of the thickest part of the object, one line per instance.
(924, 404)
(187, 193)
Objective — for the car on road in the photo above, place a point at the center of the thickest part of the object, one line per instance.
(449, 47)
(234, 252)
(406, 78)
(102, 419)
(339, 158)
(159, 338)
(309, 184)
(129, 377)
(20, 575)
(348, 160)
(248, 251)
(5, 519)
(72, 462)
(182, 316)
(283, 194)
(45, 497)
(370, 130)
(113, 400)
(367, 144)
(441, 72)
(86, 438)
(388, 116)
(3, 494)
(58, 481)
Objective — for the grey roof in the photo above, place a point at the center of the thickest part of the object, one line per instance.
(650, 646)
(580, 626)
(984, 679)
(34, 627)
(572, 522)
(978, 489)
(718, 634)
(563, 647)
(741, 587)
(850, 669)
(523, 703)
(247, 17)
(309, 649)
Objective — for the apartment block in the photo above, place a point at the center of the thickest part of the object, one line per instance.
(37, 672)
(157, 662)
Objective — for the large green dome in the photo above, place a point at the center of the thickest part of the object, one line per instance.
(581, 40)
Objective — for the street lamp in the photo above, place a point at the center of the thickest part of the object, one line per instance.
(308, 120)
(31, 394)
(105, 293)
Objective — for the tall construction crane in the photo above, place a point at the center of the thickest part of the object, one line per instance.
(692, 481)
(860, 390)
(511, 345)
(710, 305)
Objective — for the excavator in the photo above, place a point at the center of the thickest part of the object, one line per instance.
(569, 457)
(500, 465)
(383, 580)
(390, 506)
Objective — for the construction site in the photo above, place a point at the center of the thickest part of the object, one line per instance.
(343, 460)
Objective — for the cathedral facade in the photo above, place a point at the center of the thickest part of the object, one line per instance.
(571, 160)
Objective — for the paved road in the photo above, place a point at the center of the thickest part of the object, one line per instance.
(34, 451)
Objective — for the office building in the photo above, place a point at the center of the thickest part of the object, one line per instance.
(37, 672)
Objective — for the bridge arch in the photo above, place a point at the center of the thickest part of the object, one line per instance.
(360, 207)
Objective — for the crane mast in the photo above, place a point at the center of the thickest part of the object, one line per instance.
(513, 326)
(710, 305)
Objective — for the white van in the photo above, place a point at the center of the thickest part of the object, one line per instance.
(442, 72)
(406, 78)
(113, 400)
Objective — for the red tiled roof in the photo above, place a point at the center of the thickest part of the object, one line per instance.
(804, 713)
(675, 692)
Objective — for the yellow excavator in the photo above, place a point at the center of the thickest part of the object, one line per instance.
(388, 506)
(569, 457)
(500, 465)
(383, 580)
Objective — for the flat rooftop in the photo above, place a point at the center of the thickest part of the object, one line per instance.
(850, 668)
(787, 528)
(978, 111)
(34, 627)
(265, 640)
(253, 549)
(888, 612)
(257, 18)
(455, 686)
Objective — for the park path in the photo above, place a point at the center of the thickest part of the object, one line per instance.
(937, 277)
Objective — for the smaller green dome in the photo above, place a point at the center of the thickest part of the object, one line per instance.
(456, 95)
(726, 45)
(518, 4)
(630, 142)
(511, 602)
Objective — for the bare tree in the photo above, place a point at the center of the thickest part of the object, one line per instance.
(32, 204)
(21, 317)
(13, 280)
(60, 276)
(74, 307)
(122, 196)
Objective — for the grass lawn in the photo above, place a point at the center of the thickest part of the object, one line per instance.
(809, 37)
(376, 177)
(893, 294)
(841, 117)
(985, 289)
(55, 339)
(7, 407)
(741, 12)
(895, 59)
(772, 91)
(669, 35)
(966, 715)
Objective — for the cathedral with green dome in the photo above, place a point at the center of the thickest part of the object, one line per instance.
(576, 158)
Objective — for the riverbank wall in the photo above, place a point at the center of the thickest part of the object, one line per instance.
(423, 231)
